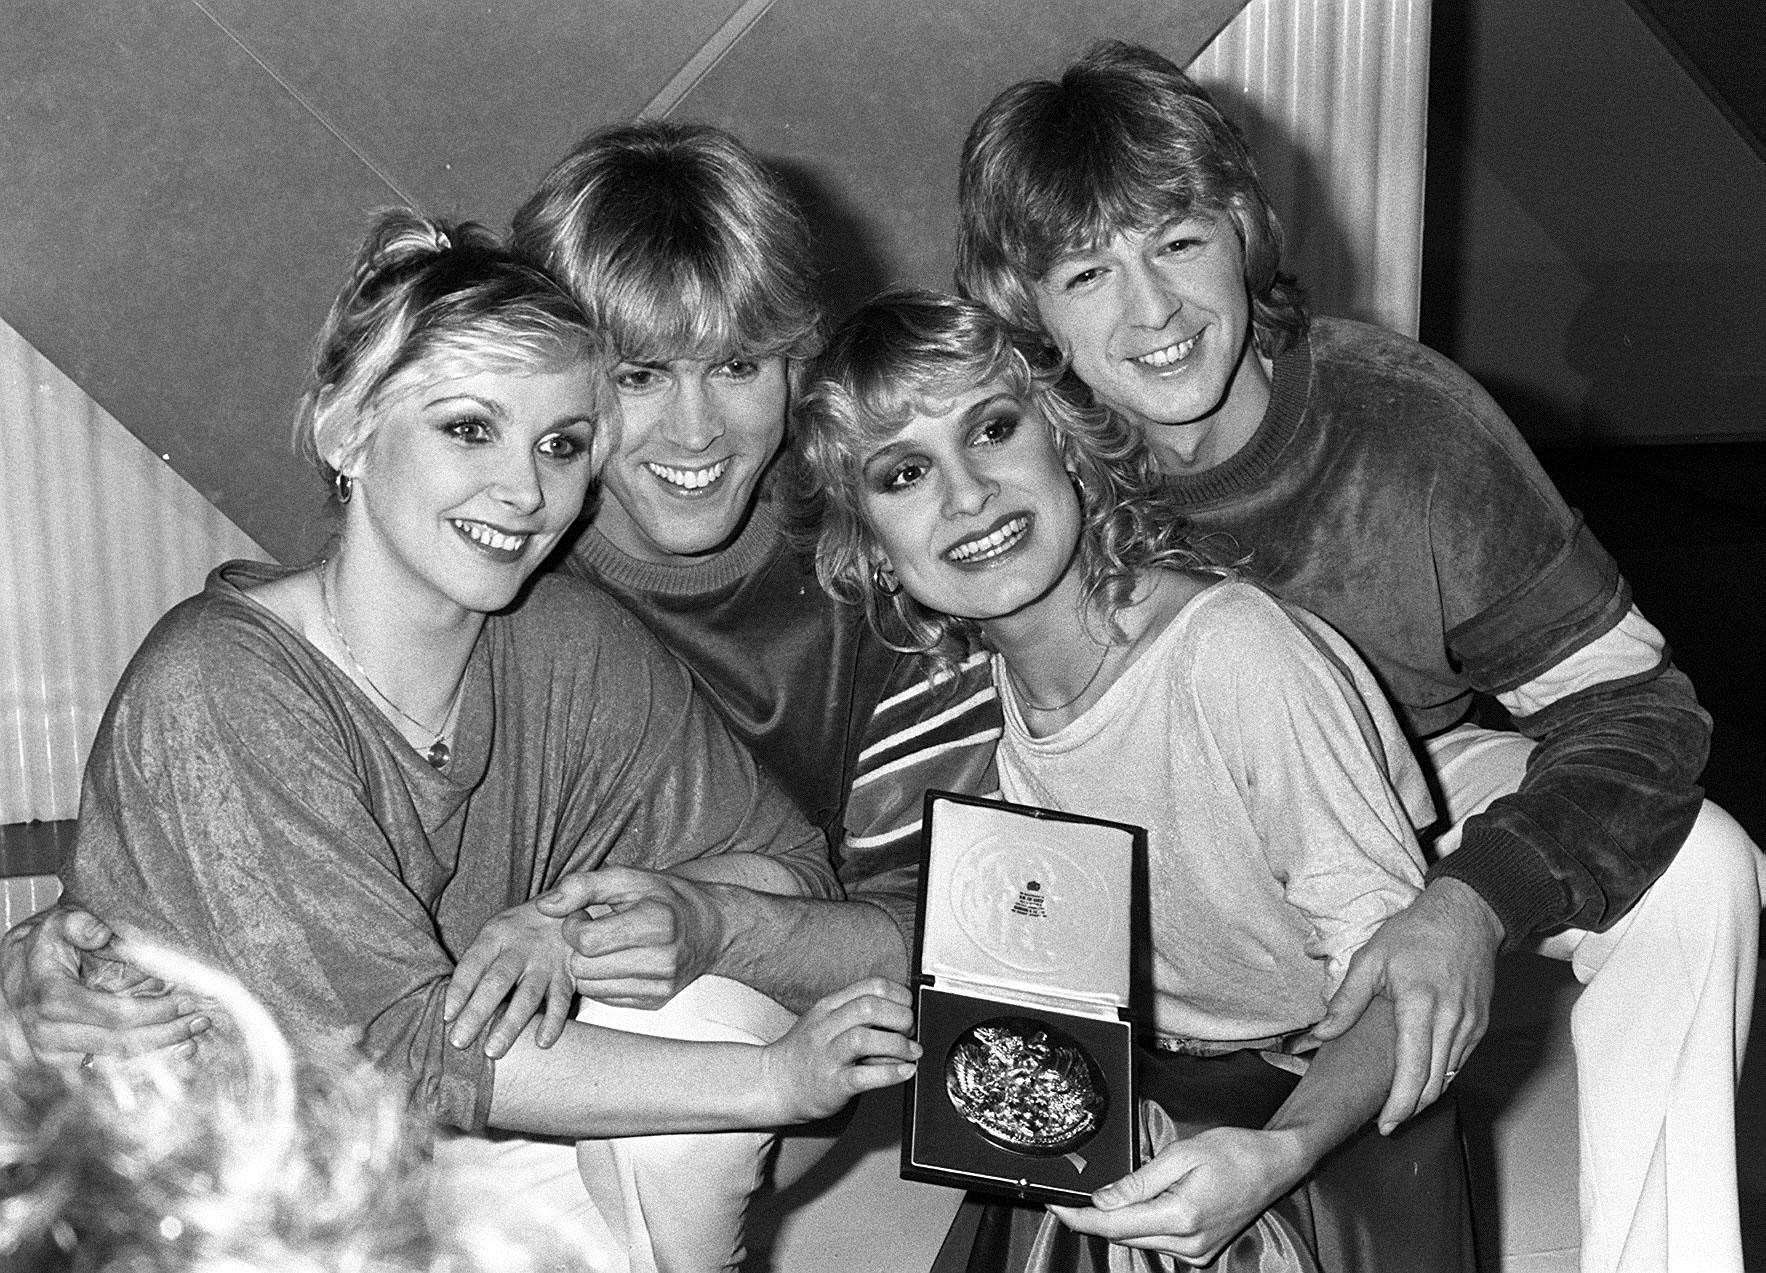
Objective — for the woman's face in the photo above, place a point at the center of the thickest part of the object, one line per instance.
(971, 505)
(469, 478)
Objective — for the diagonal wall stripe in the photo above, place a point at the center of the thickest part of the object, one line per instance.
(305, 105)
(702, 63)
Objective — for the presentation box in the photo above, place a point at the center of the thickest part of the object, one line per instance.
(1026, 1081)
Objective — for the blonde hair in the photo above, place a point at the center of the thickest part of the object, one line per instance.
(678, 242)
(251, 1160)
(909, 347)
(424, 293)
(1123, 141)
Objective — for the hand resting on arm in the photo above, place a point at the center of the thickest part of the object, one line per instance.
(639, 936)
(115, 1010)
(1435, 962)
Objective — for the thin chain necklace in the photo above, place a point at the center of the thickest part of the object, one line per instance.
(1018, 686)
(437, 753)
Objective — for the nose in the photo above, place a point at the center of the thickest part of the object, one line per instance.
(967, 489)
(695, 418)
(518, 484)
(1151, 303)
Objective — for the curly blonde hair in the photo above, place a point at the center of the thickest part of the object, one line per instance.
(910, 347)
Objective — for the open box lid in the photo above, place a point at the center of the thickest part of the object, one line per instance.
(1028, 902)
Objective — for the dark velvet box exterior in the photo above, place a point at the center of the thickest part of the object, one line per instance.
(1028, 920)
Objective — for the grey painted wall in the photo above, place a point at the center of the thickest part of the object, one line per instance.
(182, 181)
(1595, 247)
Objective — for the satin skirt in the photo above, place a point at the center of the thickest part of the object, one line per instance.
(1376, 1204)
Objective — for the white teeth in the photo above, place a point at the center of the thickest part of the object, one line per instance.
(990, 545)
(1170, 354)
(689, 479)
(479, 533)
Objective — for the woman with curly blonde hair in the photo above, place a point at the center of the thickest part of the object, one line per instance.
(982, 515)
(909, 346)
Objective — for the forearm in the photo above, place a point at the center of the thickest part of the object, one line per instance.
(798, 949)
(596, 1083)
(1609, 795)
(1343, 1088)
(751, 871)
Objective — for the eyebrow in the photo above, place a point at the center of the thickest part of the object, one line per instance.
(1207, 218)
(973, 412)
(486, 404)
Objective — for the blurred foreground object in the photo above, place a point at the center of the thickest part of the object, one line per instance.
(245, 1157)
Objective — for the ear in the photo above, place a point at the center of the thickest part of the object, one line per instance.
(345, 454)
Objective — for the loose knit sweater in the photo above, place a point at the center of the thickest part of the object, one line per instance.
(1278, 797)
(247, 802)
(1386, 492)
(794, 673)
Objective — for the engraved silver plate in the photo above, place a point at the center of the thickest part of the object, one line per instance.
(1026, 1086)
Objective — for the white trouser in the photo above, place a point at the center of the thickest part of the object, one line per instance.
(1658, 1033)
(654, 1204)
(678, 1202)
(532, 1201)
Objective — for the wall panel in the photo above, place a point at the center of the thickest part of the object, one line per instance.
(1333, 96)
(102, 537)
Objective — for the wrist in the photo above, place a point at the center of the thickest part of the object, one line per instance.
(1470, 908)
(723, 918)
(1294, 1151)
(775, 1094)
(1509, 877)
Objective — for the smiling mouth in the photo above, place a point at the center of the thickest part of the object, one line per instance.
(1001, 539)
(499, 543)
(688, 479)
(1169, 355)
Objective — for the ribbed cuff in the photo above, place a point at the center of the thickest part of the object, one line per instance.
(1511, 878)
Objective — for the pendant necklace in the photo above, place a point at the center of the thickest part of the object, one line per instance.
(1018, 686)
(437, 753)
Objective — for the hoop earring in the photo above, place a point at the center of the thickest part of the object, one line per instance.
(884, 581)
(342, 486)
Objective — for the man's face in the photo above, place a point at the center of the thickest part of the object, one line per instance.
(691, 443)
(1158, 324)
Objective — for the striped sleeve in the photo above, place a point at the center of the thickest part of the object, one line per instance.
(921, 736)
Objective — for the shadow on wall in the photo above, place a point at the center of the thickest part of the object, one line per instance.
(849, 262)
(1316, 247)
(1687, 524)
(1668, 350)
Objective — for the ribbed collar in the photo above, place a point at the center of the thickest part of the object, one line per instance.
(751, 548)
(1290, 390)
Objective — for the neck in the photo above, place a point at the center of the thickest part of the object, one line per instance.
(1057, 651)
(414, 648)
(1196, 446)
